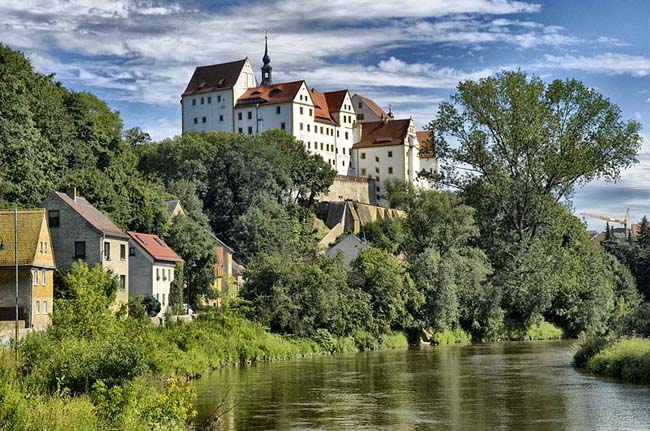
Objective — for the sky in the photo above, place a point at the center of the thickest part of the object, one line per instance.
(409, 54)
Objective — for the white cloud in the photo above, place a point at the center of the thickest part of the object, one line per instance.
(609, 63)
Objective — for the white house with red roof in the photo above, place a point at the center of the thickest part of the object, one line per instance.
(329, 124)
(151, 269)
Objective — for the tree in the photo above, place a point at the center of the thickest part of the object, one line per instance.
(176, 289)
(525, 145)
(644, 232)
(194, 244)
(393, 296)
(135, 136)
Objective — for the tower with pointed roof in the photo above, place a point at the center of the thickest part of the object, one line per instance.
(266, 68)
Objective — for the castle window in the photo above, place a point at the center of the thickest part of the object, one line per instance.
(278, 109)
(202, 101)
(390, 169)
(346, 135)
(193, 102)
(122, 252)
(250, 115)
(203, 120)
(309, 145)
(363, 156)
(301, 126)
(363, 171)
(219, 98)
(337, 133)
(196, 120)
(321, 146)
(377, 159)
(360, 117)
(308, 127)
(241, 130)
(360, 105)
(283, 126)
(310, 112)
(343, 162)
(221, 117)
(239, 116)
(301, 108)
(250, 130)
(376, 170)
(131, 251)
(377, 178)
(209, 99)
(390, 154)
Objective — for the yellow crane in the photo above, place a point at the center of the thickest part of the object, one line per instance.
(625, 222)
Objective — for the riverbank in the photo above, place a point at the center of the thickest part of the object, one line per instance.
(627, 359)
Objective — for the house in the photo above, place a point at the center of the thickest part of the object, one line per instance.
(428, 160)
(224, 283)
(350, 247)
(151, 269)
(80, 232)
(36, 265)
(386, 149)
(174, 208)
(367, 110)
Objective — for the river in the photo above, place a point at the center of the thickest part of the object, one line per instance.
(500, 386)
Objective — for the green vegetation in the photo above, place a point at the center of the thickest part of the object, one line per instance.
(450, 336)
(626, 359)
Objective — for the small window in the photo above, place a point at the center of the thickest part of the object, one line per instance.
(308, 127)
(321, 146)
(219, 98)
(196, 120)
(342, 162)
(35, 278)
(283, 126)
(360, 105)
(377, 159)
(122, 281)
(301, 125)
(131, 251)
(310, 111)
(41, 243)
(193, 102)
(377, 189)
(346, 135)
(363, 156)
(53, 217)
(163, 299)
(377, 178)
(171, 275)
(301, 107)
(390, 154)
(239, 115)
(309, 145)
(278, 109)
(44, 307)
(204, 120)
(107, 251)
(250, 130)
(321, 130)
(241, 130)
(250, 115)
(122, 251)
(209, 99)
(157, 274)
(360, 117)
(221, 117)
(376, 170)
(43, 277)
(202, 101)
(38, 307)
(80, 249)
(390, 169)
(337, 133)
(363, 171)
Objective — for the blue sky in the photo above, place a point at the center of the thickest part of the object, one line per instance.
(139, 55)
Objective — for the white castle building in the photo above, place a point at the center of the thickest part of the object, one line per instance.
(351, 133)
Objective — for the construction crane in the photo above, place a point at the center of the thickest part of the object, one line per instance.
(624, 222)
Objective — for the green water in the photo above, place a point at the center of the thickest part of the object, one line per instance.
(506, 386)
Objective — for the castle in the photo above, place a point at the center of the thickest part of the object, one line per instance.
(351, 133)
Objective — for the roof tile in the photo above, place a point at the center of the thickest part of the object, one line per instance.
(155, 246)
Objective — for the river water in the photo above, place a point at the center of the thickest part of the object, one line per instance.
(501, 386)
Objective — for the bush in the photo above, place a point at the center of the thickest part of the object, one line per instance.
(626, 359)
(450, 336)
(588, 349)
(637, 323)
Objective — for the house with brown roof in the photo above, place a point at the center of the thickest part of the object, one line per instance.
(386, 149)
(428, 160)
(81, 232)
(152, 267)
(35, 270)
(367, 110)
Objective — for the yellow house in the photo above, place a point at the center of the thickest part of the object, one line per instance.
(35, 270)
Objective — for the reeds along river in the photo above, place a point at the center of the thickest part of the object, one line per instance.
(504, 386)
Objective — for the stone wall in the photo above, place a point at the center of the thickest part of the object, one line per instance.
(352, 189)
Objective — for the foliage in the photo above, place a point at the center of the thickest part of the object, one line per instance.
(144, 307)
(386, 234)
(195, 245)
(537, 331)
(450, 336)
(637, 322)
(626, 359)
(176, 289)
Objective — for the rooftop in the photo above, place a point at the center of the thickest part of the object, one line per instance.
(95, 218)
(276, 93)
(214, 77)
(383, 133)
(31, 222)
(155, 246)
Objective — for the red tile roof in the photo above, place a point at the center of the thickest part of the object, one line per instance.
(322, 112)
(264, 95)
(214, 77)
(427, 148)
(373, 106)
(335, 100)
(95, 218)
(380, 133)
(155, 247)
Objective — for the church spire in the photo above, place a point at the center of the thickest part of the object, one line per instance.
(266, 68)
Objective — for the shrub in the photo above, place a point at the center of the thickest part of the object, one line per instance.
(627, 359)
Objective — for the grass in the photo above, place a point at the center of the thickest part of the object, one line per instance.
(627, 359)
(536, 332)
(450, 336)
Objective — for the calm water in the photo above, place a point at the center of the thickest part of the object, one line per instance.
(507, 386)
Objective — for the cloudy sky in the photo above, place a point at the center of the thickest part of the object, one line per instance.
(139, 55)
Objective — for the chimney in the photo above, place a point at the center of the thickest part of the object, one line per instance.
(71, 192)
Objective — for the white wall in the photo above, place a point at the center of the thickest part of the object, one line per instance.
(216, 108)
(162, 276)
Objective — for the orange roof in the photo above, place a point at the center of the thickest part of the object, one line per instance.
(380, 133)
(154, 246)
(267, 94)
(373, 106)
(214, 77)
(322, 112)
(427, 147)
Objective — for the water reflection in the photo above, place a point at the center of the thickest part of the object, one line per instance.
(507, 386)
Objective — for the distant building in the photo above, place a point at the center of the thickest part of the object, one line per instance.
(151, 269)
(36, 267)
(174, 208)
(224, 282)
(350, 247)
(80, 232)
(428, 160)
(226, 97)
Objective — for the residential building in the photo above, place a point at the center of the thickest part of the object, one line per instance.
(36, 267)
(387, 149)
(152, 267)
(224, 283)
(80, 232)
(428, 160)
(325, 122)
(349, 247)
(174, 208)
